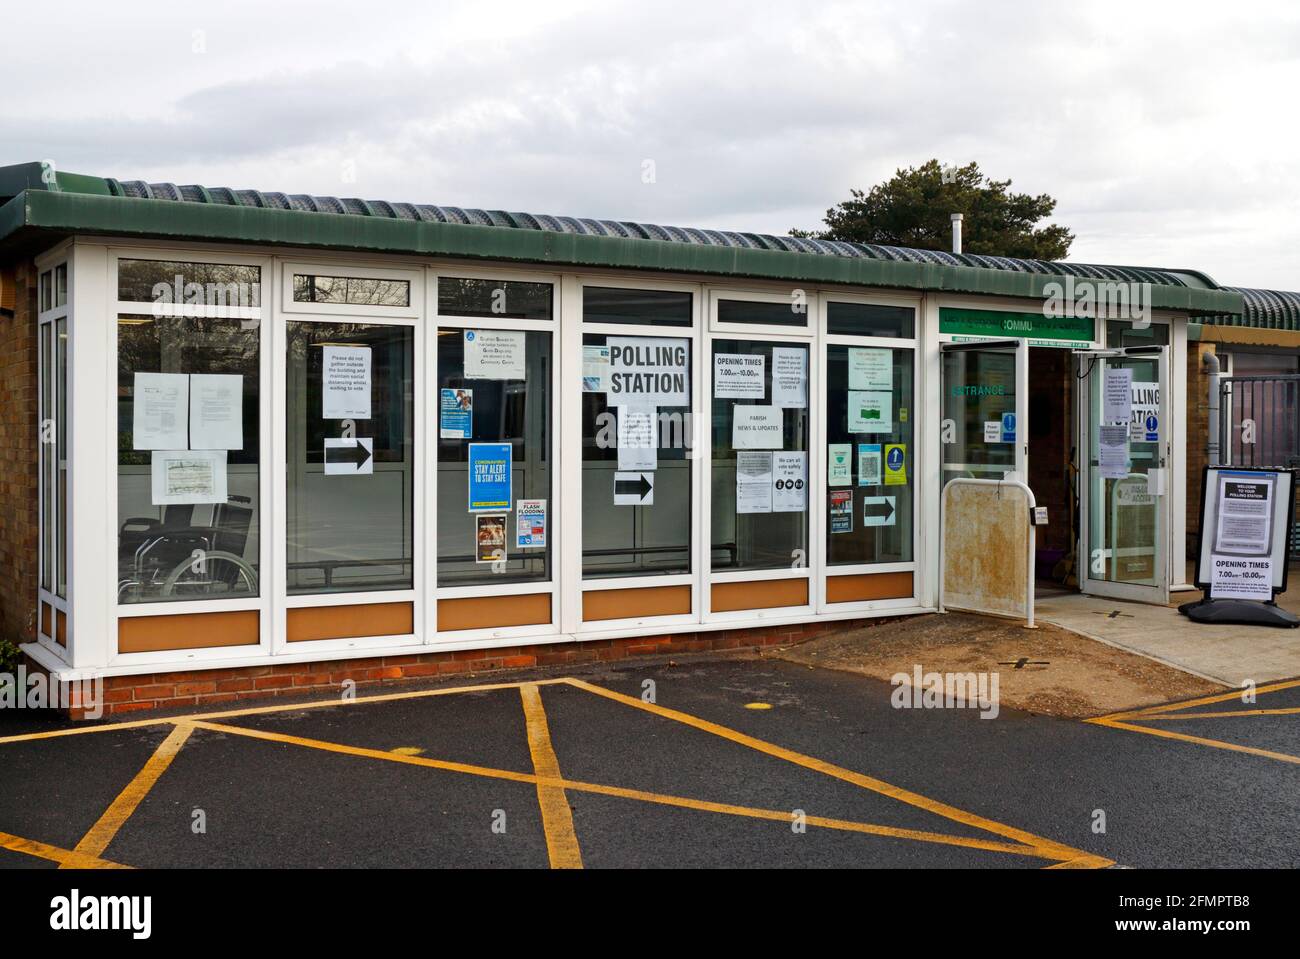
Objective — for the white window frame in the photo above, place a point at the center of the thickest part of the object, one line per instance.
(267, 505)
(47, 374)
(810, 338)
(287, 312)
(916, 455)
(699, 463)
(553, 585)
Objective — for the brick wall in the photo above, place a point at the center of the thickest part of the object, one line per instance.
(215, 687)
(1198, 429)
(18, 462)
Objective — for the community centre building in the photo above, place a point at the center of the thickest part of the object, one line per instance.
(266, 442)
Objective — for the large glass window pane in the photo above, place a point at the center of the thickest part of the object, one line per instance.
(870, 319)
(176, 283)
(794, 313)
(649, 307)
(628, 530)
(350, 290)
(759, 490)
(504, 299)
(48, 455)
(497, 419)
(979, 394)
(61, 455)
(349, 419)
(188, 458)
(869, 419)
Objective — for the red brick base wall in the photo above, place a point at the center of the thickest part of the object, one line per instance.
(216, 687)
(19, 433)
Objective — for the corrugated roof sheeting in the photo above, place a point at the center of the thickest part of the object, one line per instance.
(583, 226)
(1263, 310)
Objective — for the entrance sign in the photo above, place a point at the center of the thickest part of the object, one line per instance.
(648, 371)
(345, 383)
(489, 477)
(1247, 517)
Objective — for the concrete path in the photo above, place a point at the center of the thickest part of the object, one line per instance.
(1226, 654)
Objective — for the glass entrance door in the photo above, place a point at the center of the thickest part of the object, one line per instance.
(985, 389)
(1124, 426)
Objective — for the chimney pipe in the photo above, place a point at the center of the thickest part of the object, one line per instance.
(956, 232)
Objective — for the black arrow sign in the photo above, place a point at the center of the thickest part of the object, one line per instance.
(356, 454)
(637, 487)
(878, 509)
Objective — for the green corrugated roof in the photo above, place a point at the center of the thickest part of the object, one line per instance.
(61, 203)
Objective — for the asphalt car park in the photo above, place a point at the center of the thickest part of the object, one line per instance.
(705, 762)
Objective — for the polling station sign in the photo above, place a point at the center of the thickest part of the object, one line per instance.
(1246, 518)
(648, 371)
(489, 477)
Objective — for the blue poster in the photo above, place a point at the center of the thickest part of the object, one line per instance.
(455, 413)
(1008, 427)
(489, 477)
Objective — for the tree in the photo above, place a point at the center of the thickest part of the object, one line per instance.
(915, 209)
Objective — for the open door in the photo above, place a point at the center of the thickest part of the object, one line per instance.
(985, 403)
(1124, 495)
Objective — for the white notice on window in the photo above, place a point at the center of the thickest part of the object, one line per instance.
(870, 412)
(345, 382)
(757, 428)
(216, 411)
(160, 411)
(187, 476)
(1117, 396)
(871, 369)
(595, 369)
(1244, 524)
(739, 376)
(637, 447)
(1113, 451)
(753, 482)
(789, 482)
(494, 355)
(790, 377)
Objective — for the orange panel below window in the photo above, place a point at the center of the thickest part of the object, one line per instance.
(598, 604)
(868, 586)
(349, 622)
(494, 612)
(764, 594)
(147, 634)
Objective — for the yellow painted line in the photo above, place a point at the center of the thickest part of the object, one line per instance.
(1073, 864)
(776, 815)
(758, 705)
(115, 816)
(64, 857)
(265, 710)
(407, 750)
(1048, 848)
(1188, 704)
(1174, 717)
(1200, 740)
(557, 817)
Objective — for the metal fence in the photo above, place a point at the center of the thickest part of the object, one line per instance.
(1259, 424)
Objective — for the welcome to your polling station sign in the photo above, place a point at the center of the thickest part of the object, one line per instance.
(1246, 519)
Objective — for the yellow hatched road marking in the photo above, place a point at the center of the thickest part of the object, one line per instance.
(128, 800)
(557, 817)
(1035, 851)
(266, 710)
(1188, 704)
(1048, 848)
(1226, 714)
(1199, 740)
(64, 857)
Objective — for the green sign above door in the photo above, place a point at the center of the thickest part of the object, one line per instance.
(1052, 330)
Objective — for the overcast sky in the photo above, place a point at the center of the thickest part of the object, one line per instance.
(1167, 131)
